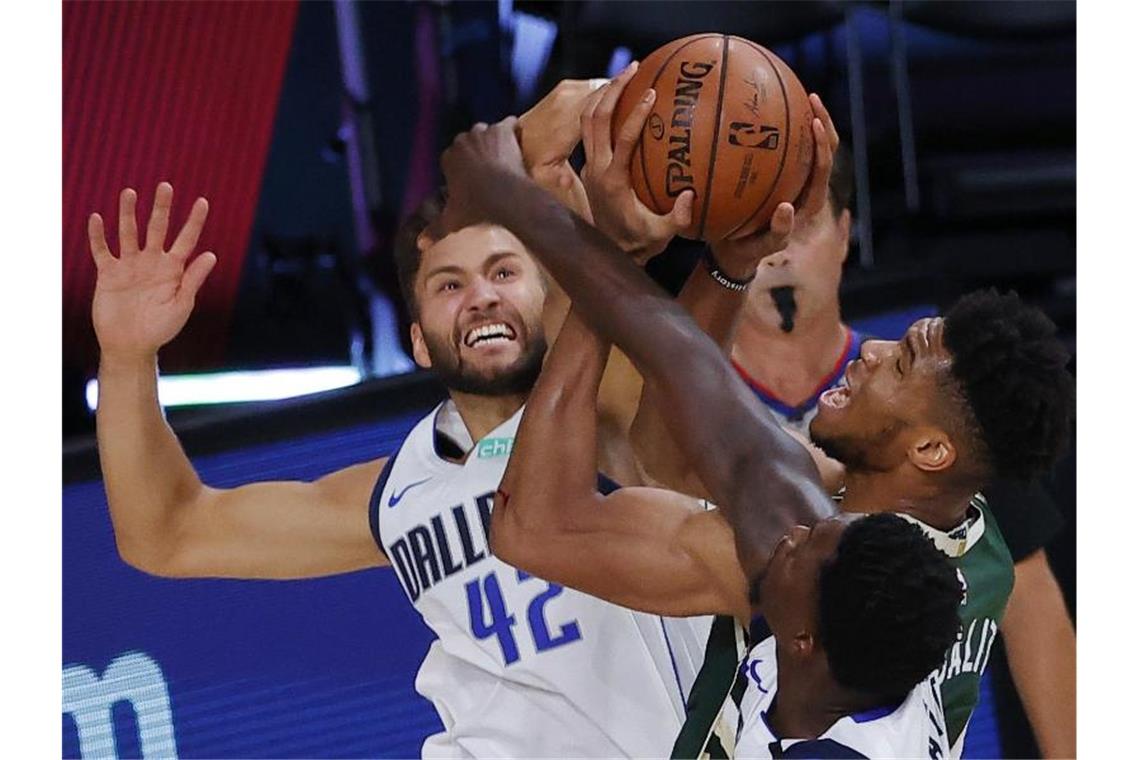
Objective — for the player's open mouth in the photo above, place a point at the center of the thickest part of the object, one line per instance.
(490, 334)
(837, 397)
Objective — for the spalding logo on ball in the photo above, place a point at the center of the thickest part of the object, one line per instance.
(731, 123)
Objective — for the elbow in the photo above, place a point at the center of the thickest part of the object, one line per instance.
(148, 557)
(514, 541)
(159, 551)
(505, 539)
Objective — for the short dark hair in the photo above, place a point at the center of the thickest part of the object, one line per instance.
(841, 181)
(1011, 369)
(888, 606)
(405, 247)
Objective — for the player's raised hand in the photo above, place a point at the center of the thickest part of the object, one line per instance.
(616, 208)
(739, 257)
(549, 132)
(144, 296)
(470, 167)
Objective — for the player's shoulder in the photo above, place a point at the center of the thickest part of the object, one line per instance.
(905, 729)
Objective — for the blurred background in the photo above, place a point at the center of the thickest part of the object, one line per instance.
(314, 129)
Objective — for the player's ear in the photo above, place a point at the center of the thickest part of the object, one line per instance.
(844, 224)
(932, 450)
(419, 347)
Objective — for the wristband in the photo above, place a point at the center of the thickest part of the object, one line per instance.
(736, 286)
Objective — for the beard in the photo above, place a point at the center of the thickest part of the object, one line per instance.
(517, 378)
(785, 299)
(856, 452)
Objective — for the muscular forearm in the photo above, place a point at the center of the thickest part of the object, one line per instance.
(552, 471)
(715, 309)
(739, 450)
(145, 472)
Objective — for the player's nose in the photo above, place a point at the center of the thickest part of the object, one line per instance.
(872, 351)
(482, 294)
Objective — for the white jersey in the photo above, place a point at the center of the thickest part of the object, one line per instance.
(521, 667)
(914, 729)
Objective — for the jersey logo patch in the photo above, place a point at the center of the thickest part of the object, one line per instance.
(394, 499)
(494, 447)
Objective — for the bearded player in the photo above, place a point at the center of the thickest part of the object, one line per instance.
(521, 667)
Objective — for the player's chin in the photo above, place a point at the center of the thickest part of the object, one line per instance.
(490, 357)
(827, 421)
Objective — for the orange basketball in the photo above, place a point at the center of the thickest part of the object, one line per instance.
(731, 122)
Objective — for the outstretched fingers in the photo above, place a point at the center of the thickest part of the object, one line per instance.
(188, 236)
(159, 218)
(128, 227)
(97, 239)
(195, 275)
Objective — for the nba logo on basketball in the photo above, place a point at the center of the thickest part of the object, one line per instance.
(747, 135)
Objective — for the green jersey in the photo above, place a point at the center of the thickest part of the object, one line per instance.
(978, 551)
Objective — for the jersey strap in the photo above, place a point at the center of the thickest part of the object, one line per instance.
(956, 542)
(374, 501)
(716, 679)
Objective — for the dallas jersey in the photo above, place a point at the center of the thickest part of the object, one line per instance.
(520, 667)
(914, 728)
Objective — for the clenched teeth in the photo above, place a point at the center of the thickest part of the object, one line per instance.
(493, 331)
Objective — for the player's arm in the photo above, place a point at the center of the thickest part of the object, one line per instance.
(166, 521)
(643, 548)
(1041, 646)
(717, 309)
(762, 479)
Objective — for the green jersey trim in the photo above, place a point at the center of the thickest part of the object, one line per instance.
(960, 539)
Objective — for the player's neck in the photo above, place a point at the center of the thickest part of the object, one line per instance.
(916, 495)
(482, 414)
(790, 364)
(808, 700)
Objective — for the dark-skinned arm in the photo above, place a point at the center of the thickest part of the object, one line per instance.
(762, 479)
(717, 310)
(644, 548)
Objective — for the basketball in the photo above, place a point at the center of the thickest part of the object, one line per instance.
(731, 123)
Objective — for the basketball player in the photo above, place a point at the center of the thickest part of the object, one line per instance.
(786, 343)
(856, 613)
(923, 423)
(791, 347)
(521, 667)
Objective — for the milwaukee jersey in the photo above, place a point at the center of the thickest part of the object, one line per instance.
(977, 550)
(914, 728)
(520, 667)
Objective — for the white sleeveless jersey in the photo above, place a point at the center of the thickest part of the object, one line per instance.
(521, 667)
(914, 729)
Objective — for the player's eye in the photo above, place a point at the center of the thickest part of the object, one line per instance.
(504, 273)
(448, 286)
